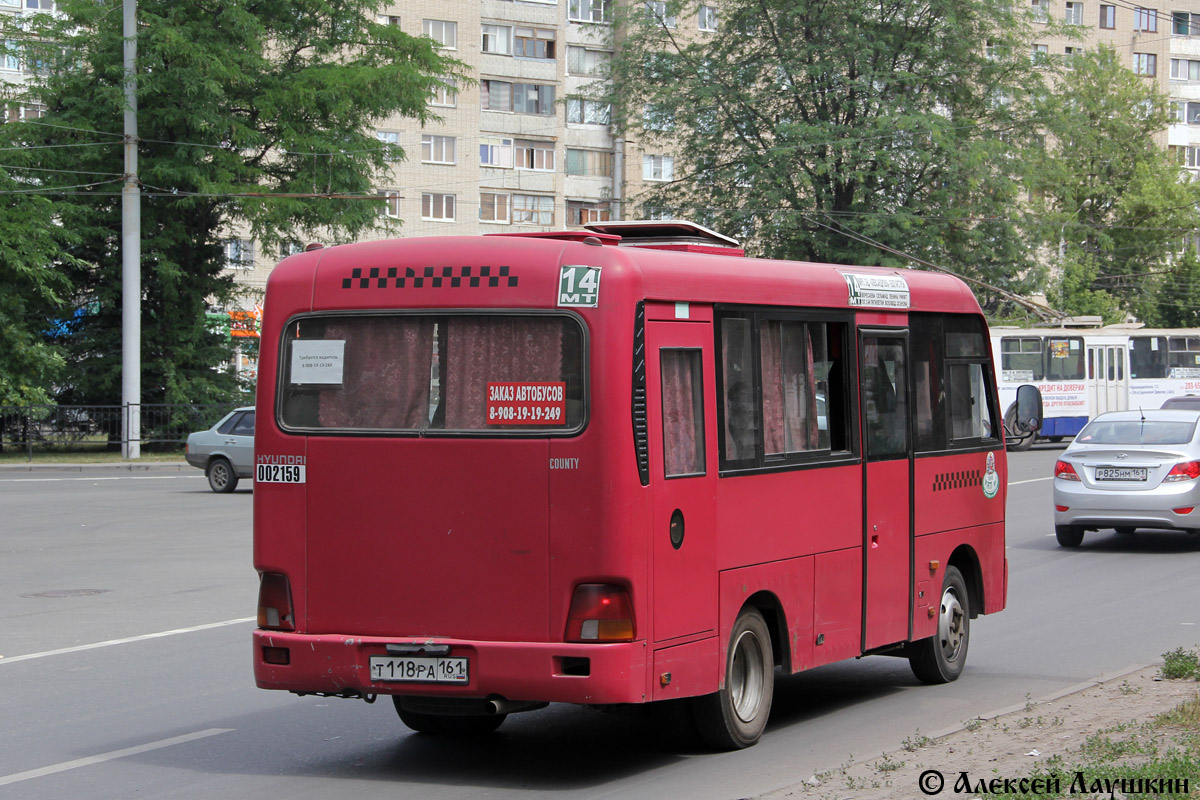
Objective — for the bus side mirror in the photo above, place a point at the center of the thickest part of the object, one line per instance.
(1029, 409)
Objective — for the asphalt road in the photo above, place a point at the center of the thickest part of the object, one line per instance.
(124, 629)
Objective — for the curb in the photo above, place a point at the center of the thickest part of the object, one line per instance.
(116, 466)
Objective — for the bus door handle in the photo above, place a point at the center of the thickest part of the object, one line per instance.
(874, 537)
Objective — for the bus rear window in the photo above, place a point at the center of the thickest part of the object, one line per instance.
(474, 374)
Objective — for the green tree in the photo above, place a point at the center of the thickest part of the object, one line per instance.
(253, 113)
(1112, 203)
(822, 130)
(30, 292)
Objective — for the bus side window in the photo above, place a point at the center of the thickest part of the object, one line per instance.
(740, 410)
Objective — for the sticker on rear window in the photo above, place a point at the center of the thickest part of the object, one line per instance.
(318, 360)
(579, 286)
(529, 403)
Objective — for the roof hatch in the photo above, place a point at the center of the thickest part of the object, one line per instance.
(671, 234)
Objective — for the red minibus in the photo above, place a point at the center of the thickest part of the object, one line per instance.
(616, 465)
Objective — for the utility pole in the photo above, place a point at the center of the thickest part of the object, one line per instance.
(131, 253)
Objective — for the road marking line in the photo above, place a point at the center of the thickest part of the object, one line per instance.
(126, 640)
(103, 478)
(128, 751)
(1031, 480)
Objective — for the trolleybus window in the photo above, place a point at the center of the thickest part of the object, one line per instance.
(1064, 359)
(1021, 358)
(404, 373)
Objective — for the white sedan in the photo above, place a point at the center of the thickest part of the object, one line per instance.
(1128, 470)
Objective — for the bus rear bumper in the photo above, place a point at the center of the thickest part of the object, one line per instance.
(533, 671)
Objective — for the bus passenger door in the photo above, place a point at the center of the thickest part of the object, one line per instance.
(679, 388)
(1106, 374)
(887, 535)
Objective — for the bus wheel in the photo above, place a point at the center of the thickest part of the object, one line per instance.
(1068, 535)
(1010, 424)
(941, 658)
(222, 478)
(735, 716)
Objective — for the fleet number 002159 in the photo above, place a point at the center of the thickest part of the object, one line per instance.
(279, 473)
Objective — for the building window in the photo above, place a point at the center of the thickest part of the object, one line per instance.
(391, 203)
(1039, 10)
(1074, 14)
(589, 11)
(535, 155)
(1185, 24)
(12, 56)
(493, 207)
(1040, 54)
(656, 11)
(388, 19)
(581, 212)
(707, 19)
(391, 144)
(439, 207)
(523, 98)
(437, 149)
(239, 254)
(582, 61)
(1192, 110)
(533, 43)
(1145, 64)
(658, 119)
(445, 95)
(496, 39)
(1069, 56)
(658, 168)
(495, 151)
(1108, 17)
(597, 163)
(441, 31)
(532, 209)
(1145, 19)
(588, 112)
(1183, 69)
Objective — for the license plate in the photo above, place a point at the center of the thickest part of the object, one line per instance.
(419, 669)
(1120, 473)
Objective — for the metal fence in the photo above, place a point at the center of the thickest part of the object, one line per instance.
(96, 428)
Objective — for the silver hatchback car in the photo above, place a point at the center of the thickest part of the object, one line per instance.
(226, 450)
(1128, 470)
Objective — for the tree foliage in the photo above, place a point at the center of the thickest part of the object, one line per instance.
(1112, 203)
(823, 130)
(250, 113)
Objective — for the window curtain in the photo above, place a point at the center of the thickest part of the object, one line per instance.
(386, 374)
(495, 350)
(682, 413)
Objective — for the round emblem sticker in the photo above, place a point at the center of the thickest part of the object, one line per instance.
(991, 480)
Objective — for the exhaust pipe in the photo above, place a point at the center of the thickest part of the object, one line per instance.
(502, 706)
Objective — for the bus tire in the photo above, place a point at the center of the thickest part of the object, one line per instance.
(1010, 424)
(1068, 535)
(222, 477)
(735, 716)
(941, 658)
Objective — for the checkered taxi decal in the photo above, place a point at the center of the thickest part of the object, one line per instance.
(959, 479)
(432, 277)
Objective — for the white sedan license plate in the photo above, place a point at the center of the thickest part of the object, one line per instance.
(419, 669)
(1120, 473)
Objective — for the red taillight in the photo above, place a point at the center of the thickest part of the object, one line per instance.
(275, 602)
(1065, 471)
(1187, 471)
(600, 612)
(1062, 508)
(1186, 510)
